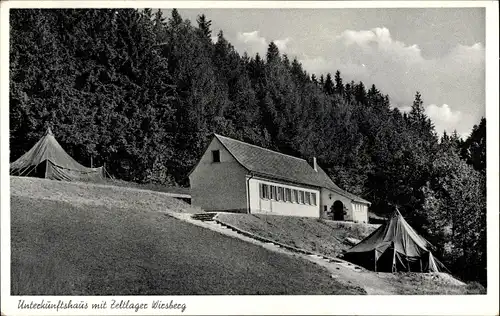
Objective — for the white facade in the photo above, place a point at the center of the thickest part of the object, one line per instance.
(354, 211)
(218, 186)
(282, 198)
(359, 212)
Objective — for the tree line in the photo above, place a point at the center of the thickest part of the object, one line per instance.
(143, 93)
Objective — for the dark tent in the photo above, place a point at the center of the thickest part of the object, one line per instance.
(395, 246)
(47, 159)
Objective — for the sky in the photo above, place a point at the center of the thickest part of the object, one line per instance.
(437, 51)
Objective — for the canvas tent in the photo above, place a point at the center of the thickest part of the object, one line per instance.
(395, 246)
(47, 159)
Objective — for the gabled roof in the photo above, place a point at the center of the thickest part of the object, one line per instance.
(265, 162)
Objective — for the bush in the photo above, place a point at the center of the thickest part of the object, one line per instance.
(475, 288)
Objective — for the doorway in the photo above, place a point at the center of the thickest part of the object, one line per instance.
(338, 211)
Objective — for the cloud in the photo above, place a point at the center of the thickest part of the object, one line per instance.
(405, 109)
(379, 35)
(443, 116)
(455, 79)
(282, 44)
(379, 39)
(443, 113)
(253, 43)
(316, 65)
(251, 37)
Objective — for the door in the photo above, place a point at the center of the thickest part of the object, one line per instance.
(338, 211)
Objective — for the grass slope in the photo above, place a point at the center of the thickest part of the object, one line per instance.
(146, 186)
(321, 236)
(411, 283)
(79, 239)
(330, 238)
(83, 193)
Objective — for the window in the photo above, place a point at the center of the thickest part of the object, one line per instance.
(301, 197)
(215, 155)
(273, 193)
(280, 194)
(313, 198)
(288, 195)
(308, 198)
(264, 191)
(295, 196)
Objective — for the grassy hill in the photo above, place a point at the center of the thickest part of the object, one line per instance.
(85, 239)
(331, 238)
(316, 235)
(83, 193)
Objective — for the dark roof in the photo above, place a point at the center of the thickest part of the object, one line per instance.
(265, 162)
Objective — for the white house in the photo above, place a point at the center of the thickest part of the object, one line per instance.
(234, 176)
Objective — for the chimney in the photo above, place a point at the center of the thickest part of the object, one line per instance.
(315, 164)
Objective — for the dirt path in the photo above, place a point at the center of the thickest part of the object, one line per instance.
(371, 283)
(342, 271)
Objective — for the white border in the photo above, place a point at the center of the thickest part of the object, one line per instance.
(246, 4)
(320, 305)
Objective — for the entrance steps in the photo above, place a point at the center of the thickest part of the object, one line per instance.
(205, 217)
(210, 221)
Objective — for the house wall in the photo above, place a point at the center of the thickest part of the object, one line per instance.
(329, 197)
(359, 212)
(218, 186)
(272, 207)
(355, 212)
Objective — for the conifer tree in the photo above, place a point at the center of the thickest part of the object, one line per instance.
(360, 93)
(474, 147)
(175, 18)
(417, 112)
(339, 86)
(314, 80)
(273, 53)
(204, 26)
(328, 87)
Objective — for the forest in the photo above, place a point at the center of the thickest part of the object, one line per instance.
(142, 93)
